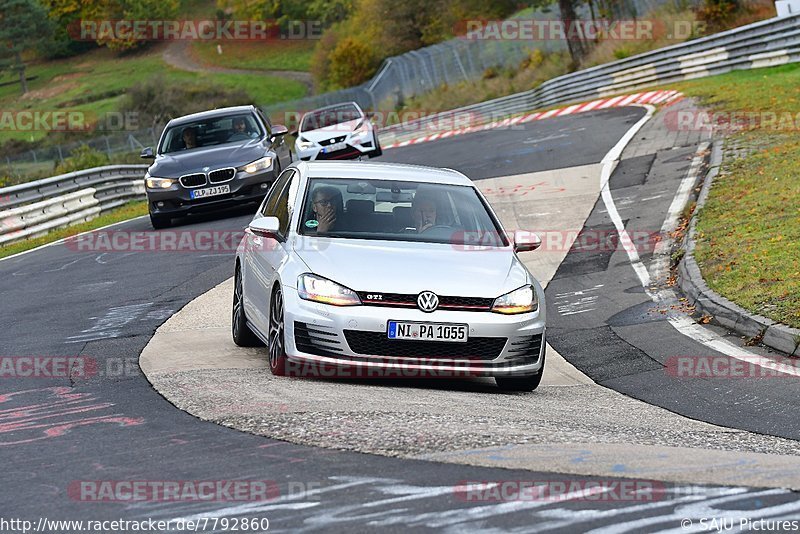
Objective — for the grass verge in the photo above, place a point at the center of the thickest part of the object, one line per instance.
(123, 213)
(95, 83)
(269, 55)
(748, 233)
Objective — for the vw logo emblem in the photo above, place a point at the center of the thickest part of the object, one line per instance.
(427, 301)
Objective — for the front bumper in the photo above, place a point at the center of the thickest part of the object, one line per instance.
(176, 201)
(355, 336)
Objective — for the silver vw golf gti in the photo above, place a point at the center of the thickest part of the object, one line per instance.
(388, 270)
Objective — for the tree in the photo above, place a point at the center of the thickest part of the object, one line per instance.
(576, 46)
(23, 26)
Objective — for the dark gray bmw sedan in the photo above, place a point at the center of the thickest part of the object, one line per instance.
(213, 160)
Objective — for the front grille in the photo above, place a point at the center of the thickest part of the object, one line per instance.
(318, 340)
(377, 344)
(193, 180)
(221, 175)
(340, 154)
(400, 300)
(333, 140)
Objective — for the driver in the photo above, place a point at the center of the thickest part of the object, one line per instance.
(240, 129)
(423, 212)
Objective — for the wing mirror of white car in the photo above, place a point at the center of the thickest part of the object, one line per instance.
(265, 227)
(526, 241)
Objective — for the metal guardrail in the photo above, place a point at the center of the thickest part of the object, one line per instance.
(762, 44)
(35, 208)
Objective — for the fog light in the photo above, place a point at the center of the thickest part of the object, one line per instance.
(160, 204)
(264, 186)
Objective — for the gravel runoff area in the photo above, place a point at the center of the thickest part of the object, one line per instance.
(407, 420)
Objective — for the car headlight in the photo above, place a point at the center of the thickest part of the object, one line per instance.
(257, 165)
(303, 144)
(361, 130)
(318, 289)
(158, 183)
(520, 300)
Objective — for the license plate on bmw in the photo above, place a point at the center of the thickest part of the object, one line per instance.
(211, 191)
(457, 333)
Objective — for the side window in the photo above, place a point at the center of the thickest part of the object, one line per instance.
(268, 206)
(266, 122)
(281, 199)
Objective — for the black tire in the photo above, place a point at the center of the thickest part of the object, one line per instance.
(378, 151)
(160, 223)
(518, 383)
(242, 335)
(277, 340)
(521, 383)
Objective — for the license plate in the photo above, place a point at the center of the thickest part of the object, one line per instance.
(210, 191)
(457, 333)
(334, 147)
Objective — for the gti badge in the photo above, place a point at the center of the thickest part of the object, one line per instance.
(427, 301)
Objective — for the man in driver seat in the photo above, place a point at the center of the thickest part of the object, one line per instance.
(423, 212)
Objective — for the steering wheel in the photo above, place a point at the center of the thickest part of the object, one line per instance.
(437, 227)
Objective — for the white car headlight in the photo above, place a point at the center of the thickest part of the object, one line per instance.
(303, 144)
(318, 289)
(362, 130)
(257, 165)
(158, 183)
(520, 300)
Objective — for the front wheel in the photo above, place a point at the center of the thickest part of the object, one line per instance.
(519, 383)
(159, 222)
(378, 151)
(277, 345)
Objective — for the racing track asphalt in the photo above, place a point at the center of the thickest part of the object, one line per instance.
(56, 431)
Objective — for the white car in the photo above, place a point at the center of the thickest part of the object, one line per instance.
(380, 267)
(340, 131)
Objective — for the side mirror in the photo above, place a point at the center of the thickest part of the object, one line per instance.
(293, 133)
(147, 153)
(265, 227)
(370, 114)
(278, 130)
(526, 241)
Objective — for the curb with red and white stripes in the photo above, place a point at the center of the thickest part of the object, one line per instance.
(651, 97)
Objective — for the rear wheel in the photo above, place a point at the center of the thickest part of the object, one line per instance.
(277, 346)
(160, 222)
(242, 335)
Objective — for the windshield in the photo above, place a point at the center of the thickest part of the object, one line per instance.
(322, 118)
(210, 132)
(398, 211)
